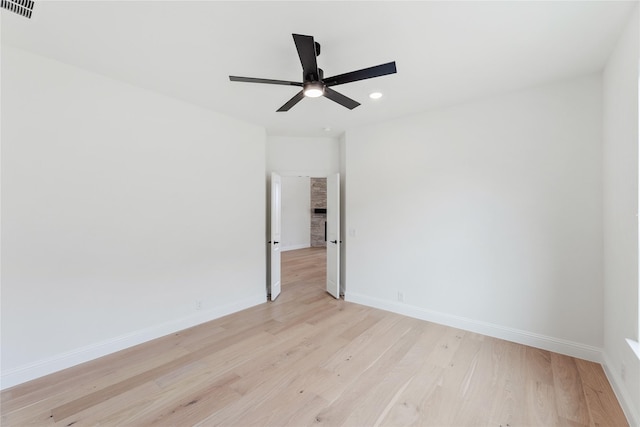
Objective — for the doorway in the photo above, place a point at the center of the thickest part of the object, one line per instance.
(304, 240)
(309, 217)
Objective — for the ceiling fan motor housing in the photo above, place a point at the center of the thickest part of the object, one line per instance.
(314, 77)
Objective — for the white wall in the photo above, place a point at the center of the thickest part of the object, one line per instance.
(485, 216)
(307, 156)
(296, 212)
(620, 171)
(120, 210)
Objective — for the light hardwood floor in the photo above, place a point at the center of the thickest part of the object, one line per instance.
(308, 359)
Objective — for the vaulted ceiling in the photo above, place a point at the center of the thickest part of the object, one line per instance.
(446, 52)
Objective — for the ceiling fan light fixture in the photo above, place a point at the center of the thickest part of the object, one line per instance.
(313, 89)
(313, 82)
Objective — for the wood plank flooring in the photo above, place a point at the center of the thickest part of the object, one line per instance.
(308, 359)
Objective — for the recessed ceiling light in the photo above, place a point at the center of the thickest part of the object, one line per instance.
(375, 95)
(326, 129)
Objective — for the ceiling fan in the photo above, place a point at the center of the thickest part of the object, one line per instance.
(313, 82)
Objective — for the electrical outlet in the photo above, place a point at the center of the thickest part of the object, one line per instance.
(199, 305)
(400, 296)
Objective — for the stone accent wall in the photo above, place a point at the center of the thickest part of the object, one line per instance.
(318, 200)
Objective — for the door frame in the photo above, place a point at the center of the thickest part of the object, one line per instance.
(313, 174)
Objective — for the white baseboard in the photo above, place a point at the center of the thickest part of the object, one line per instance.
(544, 342)
(294, 247)
(71, 358)
(630, 410)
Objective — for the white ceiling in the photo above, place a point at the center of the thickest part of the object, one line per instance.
(446, 52)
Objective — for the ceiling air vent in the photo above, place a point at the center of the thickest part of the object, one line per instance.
(21, 7)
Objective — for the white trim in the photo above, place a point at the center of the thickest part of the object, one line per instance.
(544, 342)
(629, 409)
(71, 358)
(635, 346)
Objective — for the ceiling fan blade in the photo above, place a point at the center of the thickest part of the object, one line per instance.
(268, 81)
(293, 101)
(365, 73)
(340, 98)
(307, 53)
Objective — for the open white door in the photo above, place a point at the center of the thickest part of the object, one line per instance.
(333, 235)
(276, 220)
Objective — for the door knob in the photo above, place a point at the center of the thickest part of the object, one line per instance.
(334, 241)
